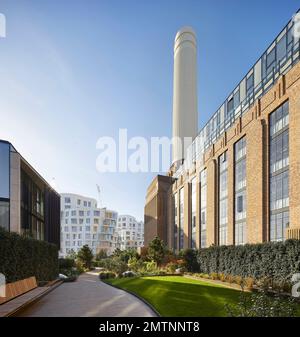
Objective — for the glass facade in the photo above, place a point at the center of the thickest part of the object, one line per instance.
(203, 207)
(223, 198)
(279, 172)
(193, 230)
(4, 184)
(278, 59)
(181, 218)
(240, 151)
(32, 208)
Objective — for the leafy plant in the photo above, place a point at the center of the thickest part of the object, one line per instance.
(22, 257)
(156, 250)
(85, 255)
(106, 275)
(274, 261)
(259, 304)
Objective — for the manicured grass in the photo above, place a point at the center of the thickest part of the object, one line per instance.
(179, 296)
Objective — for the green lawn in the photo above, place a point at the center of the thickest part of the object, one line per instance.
(180, 296)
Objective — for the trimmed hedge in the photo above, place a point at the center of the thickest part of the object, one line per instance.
(22, 257)
(278, 261)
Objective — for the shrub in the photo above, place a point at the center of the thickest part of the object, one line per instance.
(214, 276)
(22, 257)
(259, 304)
(171, 267)
(66, 263)
(249, 283)
(222, 277)
(189, 257)
(79, 266)
(104, 275)
(277, 261)
(239, 280)
(135, 264)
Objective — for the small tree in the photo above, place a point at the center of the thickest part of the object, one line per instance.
(85, 255)
(190, 259)
(156, 250)
(101, 255)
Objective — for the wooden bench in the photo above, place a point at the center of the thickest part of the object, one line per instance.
(15, 289)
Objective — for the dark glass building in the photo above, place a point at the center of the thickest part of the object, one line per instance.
(28, 204)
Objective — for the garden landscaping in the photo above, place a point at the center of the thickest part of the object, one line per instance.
(184, 297)
(180, 297)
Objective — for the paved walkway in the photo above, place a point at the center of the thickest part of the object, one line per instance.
(88, 297)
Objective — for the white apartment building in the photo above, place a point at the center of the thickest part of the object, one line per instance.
(83, 223)
(130, 231)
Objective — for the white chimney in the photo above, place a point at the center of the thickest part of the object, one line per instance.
(185, 110)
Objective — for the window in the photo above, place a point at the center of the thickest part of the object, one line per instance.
(4, 172)
(96, 213)
(279, 172)
(67, 200)
(193, 228)
(4, 214)
(87, 228)
(250, 84)
(84, 203)
(74, 229)
(74, 221)
(240, 150)
(78, 202)
(175, 220)
(73, 213)
(181, 218)
(81, 213)
(223, 199)
(230, 106)
(203, 203)
(271, 60)
(88, 220)
(281, 48)
(66, 228)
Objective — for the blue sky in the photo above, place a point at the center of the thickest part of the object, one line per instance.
(72, 71)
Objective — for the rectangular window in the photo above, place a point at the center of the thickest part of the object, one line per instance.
(250, 84)
(223, 199)
(4, 214)
(240, 151)
(4, 170)
(203, 205)
(193, 229)
(67, 200)
(175, 221)
(279, 172)
(181, 218)
(271, 60)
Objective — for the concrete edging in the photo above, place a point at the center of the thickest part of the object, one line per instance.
(135, 295)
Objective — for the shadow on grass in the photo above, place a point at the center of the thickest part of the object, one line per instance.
(177, 296)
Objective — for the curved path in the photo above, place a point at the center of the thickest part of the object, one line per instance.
(88, 297)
